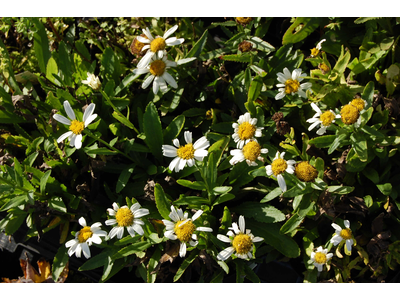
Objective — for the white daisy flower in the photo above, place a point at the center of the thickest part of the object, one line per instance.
(250, 152)
(186, 154)
(241, 239)
(278, 167)
(158, 74)
(84, 239)
(343, 235)
(245, 130)
(75, 127)
(182, 228)
(126, 217)
(156, 45)
(324, 119)
(320, 257)
(92, 81)
(290, 83)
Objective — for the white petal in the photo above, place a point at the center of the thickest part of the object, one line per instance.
(143, 40)
(346, 223)
(90, 119)
(131, 231)
(61, 119)
(224, 238)
(68, 110)
(156, 85)
(170, 31)
(336, 227)
(145, 60)
(201, 143)
(141, 212)
(64, 136)
(170, 80)
(349, 243)
(138, 229)
(197, 214)
(82, 221)
(226, 253)
(120, 232)
(281, 182)
(242, 224)
(113, 232)
(174, 41)
(188, 137)
(322, 130)
(257, 239)
(182, 250)
(147, 81)
(110, 222)
(336, 240)
(170, 235)
(78, 141)
(206, 229)
(88, 111)
(70, 243)
(141, 71)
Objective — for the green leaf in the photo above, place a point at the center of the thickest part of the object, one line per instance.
(120, 117)
(97, 261)
(261, 44)
(191, 200)
(15, 201)
(52, 69)
(368, 93)
(174, 128)
(124, 177)
(341, 190)
(153, 131)
(341, 65)
(272, 195)
(300, 29)
(223, 198)
(195, 185)
(162, 203)
(359, 144)
(186, 263)
(43, 181)
(226, 220)
(65, 64)
(260, 212)
(125, 83)
(16, 219)
(336, 143)
(270, 232)
(57, 204)
(101, 151)
(385, 189)
(254, 91)
(371, 174)
(18, 173)
(297, 218)
(60, 261)
(41, 45)
(198, 47)
(222, 189)
(111, 64)
(324, 141)
(131, 249)
(243, 58)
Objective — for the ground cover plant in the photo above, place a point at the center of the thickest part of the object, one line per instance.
(202, 149)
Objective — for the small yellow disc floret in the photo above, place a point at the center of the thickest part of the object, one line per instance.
(157, 44)
(346, 233)
(84, 234)
(327, 118)
(186, 152)
(124, 217)
(278, 166)
(252, 150)
(305, 172)
(157, 67)
(76, 126)
(246, 131)
(184, 232)
(291, 86)
(349, 114)
(314, 52)
(359, 103)
(242, 243)
(320, 258)
(244, 21)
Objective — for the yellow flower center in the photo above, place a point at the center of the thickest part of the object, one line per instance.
(324, 68)
(244, 21)
(314, 52)
(184, 232)
(84, 234)
(349, 114)
(242, 243)
(157, 44)
(252, 150)
(291, 86)
(157, 67)
(77, 127)
(246, 131)
(278, 166)
(359, 103)
(306, 172)
(327, 118)
(320, 258)
(209, 114)
(346, 233)
(124, 217)
(186, 152)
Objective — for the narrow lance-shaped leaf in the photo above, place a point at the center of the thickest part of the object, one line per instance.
(153, 130)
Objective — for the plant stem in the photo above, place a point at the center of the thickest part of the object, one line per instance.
(108, 145)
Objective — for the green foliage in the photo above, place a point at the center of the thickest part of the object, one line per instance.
(218, 72)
